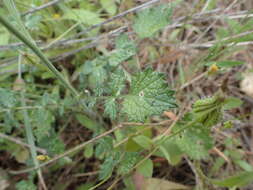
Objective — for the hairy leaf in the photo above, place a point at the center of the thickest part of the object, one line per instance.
(25, 185)
(111, 108)
(150, 20)
(117, 82)
(149, 95)
(52, 144)
(108, 165)
(7, 98)
(194, 141)
(240, 180)
(105, 145)
(208, 111)
(125, 49)
(127, 163)
(42, 120)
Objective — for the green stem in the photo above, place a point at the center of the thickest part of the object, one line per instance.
(39, 53)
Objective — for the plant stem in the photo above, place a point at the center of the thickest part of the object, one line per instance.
(30, 139)
(21, 143)
(39, 53)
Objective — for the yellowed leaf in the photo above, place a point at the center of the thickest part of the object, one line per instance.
(160, 184)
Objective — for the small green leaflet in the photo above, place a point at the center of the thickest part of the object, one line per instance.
(195, 142)
(148, 95)
(104, 146)
(7, 98)
(106, 168)
(208, 111)
(225, 64)
(109, 5)
(127, 162)
(150, 20)
(84, 16)
(232, 102)
(116, 85)
(42, 120)
(111, 108)
(52, 143)
(146, 168)
(239, 180)
(125, 49)
(25, 185)
(117, 82)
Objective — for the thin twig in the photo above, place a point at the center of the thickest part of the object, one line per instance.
(193, 80)
(90, 45)
(120, 15)
(72, 150)
(176, 23)
(51, 3)
(86, 174)
(17, 141)
(215, 21)
(80, 146)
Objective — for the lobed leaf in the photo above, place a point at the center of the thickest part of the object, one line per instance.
(150, 20)
(149, 95)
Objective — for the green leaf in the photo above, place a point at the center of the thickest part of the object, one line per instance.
(125, 48)
(108, 165)
(171, 151)
(239, 180)
(86, 122)
(149, 95)
(127, 162)
(226, 64)
(123, 41)
(53, 144)
(105, 145)
(208, 111)
(42, 120)
(85, 16)
(232, 102)
(4, 36)
(86, 186)
(111, 108)
(132, 146)
(96, 73)
(195, 142)
(146, 168)
(26, 185)
(88, 152)
(150, 20)
(143, 141)
(106, 168)
(109, 6)
(7, 98)
(119, 55)
(117, 82)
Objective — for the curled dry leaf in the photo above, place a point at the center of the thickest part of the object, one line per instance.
(170, 115)
(247, 84)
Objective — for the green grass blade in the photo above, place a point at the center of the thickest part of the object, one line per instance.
(39, 53)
